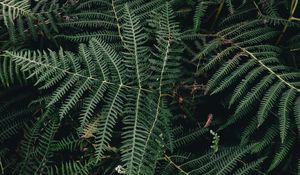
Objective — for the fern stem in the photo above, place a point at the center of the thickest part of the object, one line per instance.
(136, 54)
(42, 162)
(295, 19)
(160, 92)
(168, 159)
(291, 18)
(118, 22)
(269, 69)
(75, 74)
(218, 13)
(130, 167)
(261, 63)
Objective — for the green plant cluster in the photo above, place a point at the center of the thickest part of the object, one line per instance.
(139, 87)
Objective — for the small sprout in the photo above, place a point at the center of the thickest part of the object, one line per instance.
(215, 142)
(159, 142)
(161, 135)
(120, 169)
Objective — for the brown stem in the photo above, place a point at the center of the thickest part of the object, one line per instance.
(168, 159)
(218, 13)
(291, 18)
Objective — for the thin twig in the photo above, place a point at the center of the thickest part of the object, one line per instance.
(294, 5)
(218, 13)
(168, 159)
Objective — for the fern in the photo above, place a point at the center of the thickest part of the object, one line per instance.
(109, 21)
(10, 74)
(125, 86)
(12, 9)
(98, 64)
(14, 113)
(220, 163)
(278, 80)
(282, 153)
(257, 79)
(42, 22)
(68, 168)
(191, 136)
(199, 13)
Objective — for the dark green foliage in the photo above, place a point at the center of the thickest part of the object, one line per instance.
(248, 66)
(223, 162)
(149, 87)
(278, 84)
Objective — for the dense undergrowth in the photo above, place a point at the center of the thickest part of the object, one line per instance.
(149, 87)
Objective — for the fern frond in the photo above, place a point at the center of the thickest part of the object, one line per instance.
(42, 22)
(144, 8)
(224, 162)
(10, 73)
(199, 13)
(108, 119)
(297, 113)
(167, 35)
(238, 16)
(261, 72)
(286, 101)
(34, 159)
(134, 138)
(11, 9)
(248, 131)
(107, 87)
(105, 83)
(68, 168)
(269, 101)
(136, 53)
(266, 140)
(109, 20)
(14, 112)
(227, 166)
(250, 167)
(251, 97)
(70, 143)
(284, 149)
(84, 37)
(43, 150)
(191, 136)
(230, 6)
(54, 67)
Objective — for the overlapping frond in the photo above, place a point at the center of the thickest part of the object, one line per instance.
(11, 9)
(68, 168)
(108, 95)
(150, 134)
(14, 112)
(35, 159)
(119, 82)
(91, 66)
(199, 13)
(257, 80)
(257, 76)
(10, 74)
(222, 162)
(42, 22)
(109, 21)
